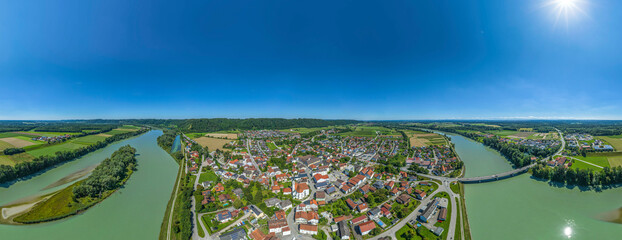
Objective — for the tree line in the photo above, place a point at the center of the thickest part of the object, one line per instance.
(109, 175)
(12, 151)
(518, 155)
(219, 124)
(182, 218)
(581, 177)
(23, 169)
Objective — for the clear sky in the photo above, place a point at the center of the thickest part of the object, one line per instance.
(356, 59)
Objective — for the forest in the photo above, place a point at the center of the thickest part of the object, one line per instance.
(56, 126)
(165, 141)
(593, 127)
(519, 155)
(580, 177)
(108, 175)
(219, 124)
(23, 169)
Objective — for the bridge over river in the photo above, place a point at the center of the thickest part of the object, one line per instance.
(482, 179)
(503, 175)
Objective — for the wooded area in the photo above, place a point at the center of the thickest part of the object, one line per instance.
(109, 174)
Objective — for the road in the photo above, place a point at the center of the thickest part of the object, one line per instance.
(195, 232)
(170, 217)
(391, 232)
(561, 137)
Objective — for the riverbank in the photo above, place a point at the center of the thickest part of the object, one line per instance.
(71, 201)
(23, 170)
(133, 212)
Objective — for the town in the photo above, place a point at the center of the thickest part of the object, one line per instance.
(327, 184)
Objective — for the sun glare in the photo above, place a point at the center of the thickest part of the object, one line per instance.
(566, 10)
(568, 232)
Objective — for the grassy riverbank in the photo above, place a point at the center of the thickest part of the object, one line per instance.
(69, 201)
(181, 219)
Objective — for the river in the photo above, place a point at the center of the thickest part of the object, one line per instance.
(133, 212)
(525, 208)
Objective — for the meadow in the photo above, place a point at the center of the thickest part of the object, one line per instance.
(370, 131)
(90, 139)
(52, 149)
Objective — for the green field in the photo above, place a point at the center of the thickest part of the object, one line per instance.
(5, 145)
(306, 130)
(598, 160)
(88, 140)
(195, 135)
(52, 134)
(28, 139)
(503, 133)
(15, 159)
(485, 125)
(6, 160)
(581, 165)
(271, 146)
(614, 158)
(129, 127)
(369, 131)
(615, 161)
(12, 134)
(118, 131)
(51, 150)
(208, 176)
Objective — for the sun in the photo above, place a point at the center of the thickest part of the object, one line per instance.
(566, 10)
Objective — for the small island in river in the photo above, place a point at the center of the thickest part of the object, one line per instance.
(105, 179)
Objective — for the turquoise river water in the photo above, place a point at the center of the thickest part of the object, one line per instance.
(133, 212)
(525, 208)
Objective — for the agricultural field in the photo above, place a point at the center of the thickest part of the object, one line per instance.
(5, 145)
(6, 160)
(16, 134)
(18, 141)
(117, 131)
(615, 161)
(213, 143)
(422, 139)
(306, 130)
(503, 133)
(521, 135)
(485, 125)
(615, 141)
(15, 159)
(90, 139)
(594, 159)
(370, 131)
(546, 136)
(51, 150)
(32, 133)
(581, 165)
(223, 135)
(614, 158)
(129, 127)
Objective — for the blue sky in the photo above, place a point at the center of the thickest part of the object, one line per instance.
(403, 59)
